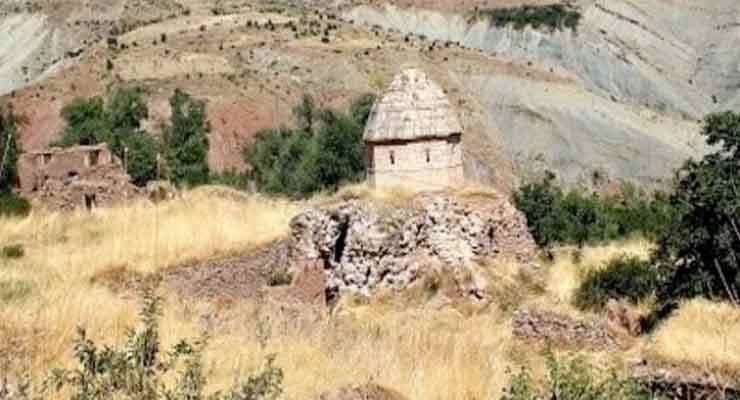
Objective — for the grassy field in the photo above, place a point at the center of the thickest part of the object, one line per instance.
(423, 348)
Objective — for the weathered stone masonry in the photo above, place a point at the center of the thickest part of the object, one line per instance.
(413, 136)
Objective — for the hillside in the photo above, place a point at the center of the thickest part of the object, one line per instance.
(618, 98)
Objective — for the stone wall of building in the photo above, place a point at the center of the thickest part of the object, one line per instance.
(80, 176)
(425, 164)
(37, 167)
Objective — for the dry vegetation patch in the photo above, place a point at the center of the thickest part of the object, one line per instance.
(702, 334)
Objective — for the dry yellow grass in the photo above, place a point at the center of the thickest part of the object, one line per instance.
(421, 348)
(64, 251)
(702, 334)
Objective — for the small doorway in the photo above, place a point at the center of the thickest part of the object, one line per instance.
(91, 201)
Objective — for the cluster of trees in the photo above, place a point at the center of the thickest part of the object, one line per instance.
(577, 217)
(323, 150)
(551, 16)
(116, 120)
(696, 227)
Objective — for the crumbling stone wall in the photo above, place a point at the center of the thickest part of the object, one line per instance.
(81, 176)
(365, 247)
(425, 164)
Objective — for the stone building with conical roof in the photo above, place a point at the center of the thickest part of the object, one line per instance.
(413, 136)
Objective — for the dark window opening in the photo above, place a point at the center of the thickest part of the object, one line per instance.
(90, 201)
(428, 158)
(94, 156)
(393, 158)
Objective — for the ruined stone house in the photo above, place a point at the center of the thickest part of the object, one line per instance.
(81, 176)
(413, 136)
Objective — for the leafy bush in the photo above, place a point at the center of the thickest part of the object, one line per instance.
(141, 370)
(623, 277)
(323, 151)
(12, 205)
(551, 16)
(231, 178)
(280, 277)
(187, 140)
(555, 216)
(13, 251)
(574, 380)
(117, 122)
(700, 251)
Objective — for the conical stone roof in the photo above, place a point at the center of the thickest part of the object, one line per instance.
(414, 107)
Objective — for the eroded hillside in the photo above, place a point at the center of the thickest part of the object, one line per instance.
(618, 98)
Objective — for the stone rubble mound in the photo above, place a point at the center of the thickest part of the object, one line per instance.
(365, 246)
(541, 325)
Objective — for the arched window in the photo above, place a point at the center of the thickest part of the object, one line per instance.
(428, 157)
(393, 157)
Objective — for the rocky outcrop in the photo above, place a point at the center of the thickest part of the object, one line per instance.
(365, 247)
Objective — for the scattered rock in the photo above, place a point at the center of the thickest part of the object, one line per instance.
(675, 385)
(539, 325)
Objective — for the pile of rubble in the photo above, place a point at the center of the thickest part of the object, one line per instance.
(548, 326)
(365, 247)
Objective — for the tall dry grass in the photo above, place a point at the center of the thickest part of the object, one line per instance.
(701, 335)
(422, 348)
(64, 251)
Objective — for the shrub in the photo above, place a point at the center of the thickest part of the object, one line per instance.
(700, 251)
(231, 178)
(623, 277)
(12, 205)
(187, 140)
(574, 379)
(551, 16)
(13, 251)
(142, 370)
(280, 277)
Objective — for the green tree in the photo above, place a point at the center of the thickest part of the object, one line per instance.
(117, 122)
(339, 152)
(85, 120)
(187, 140)
(324, 150)
(700, 251)
(9, 150)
